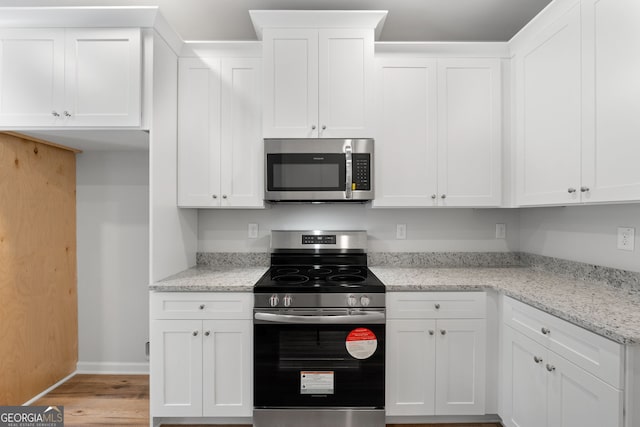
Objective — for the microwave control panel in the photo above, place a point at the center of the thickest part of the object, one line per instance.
(361, 172)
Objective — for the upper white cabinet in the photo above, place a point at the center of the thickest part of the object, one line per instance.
(318, 83)
(220, 153)
(438, 137)
(575, 95)
(70, 77)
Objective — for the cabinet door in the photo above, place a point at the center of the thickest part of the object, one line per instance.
(469, 127)
(242, 153)
(103, 77)
(227, 369)
(410, 367)
(548, 79)
(199, 132)
(290, 83)
(578, 399)
(31, 77)
(460, 366)
(345, 83)
(176, 368)
(525, 381)
(406, 141)
(611, 128)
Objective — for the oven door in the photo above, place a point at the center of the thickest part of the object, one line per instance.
(319, 360)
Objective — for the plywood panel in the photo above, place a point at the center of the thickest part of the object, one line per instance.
(38, 296)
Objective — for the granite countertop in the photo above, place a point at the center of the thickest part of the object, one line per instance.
(606, 310)
(202, 278)
(613, 312)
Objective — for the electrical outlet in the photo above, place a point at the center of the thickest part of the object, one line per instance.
(252, 231)
(626, 238)
(401, 231)
(501, 231)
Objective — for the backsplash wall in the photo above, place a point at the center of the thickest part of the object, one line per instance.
(428, 230)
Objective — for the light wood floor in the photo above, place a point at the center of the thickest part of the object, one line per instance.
(123, 400)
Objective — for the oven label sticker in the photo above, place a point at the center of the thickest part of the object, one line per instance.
(316, 382)
(361, 343)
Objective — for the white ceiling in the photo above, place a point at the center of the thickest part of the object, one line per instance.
(408, 20)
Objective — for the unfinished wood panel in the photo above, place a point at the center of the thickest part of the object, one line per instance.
(38, 296)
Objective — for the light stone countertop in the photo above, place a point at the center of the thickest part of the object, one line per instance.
(606, 310)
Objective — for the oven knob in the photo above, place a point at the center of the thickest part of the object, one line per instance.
(286, 301)
(273, 301)
(352, 301)
(364, 301)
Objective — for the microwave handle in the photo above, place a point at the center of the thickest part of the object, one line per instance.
(349, 171)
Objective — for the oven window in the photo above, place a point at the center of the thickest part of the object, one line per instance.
(283, 354)
(306, 172)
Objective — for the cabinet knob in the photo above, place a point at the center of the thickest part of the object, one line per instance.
(67, 114)
(545, 331)
(550, 368)
(313, 127)
(431, 332)
(584, 189)
(207, 333)
(55, 114)
(443, 332)
(215, 196)
(195, 333)
(444, 196)
(224, 196)
(437, 306)
(201, 306)
(324, 127)
(537, 359)
(433, 196)
(571, 190)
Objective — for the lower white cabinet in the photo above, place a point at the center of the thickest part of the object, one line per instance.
(201, 366)
(542, 388)
(435, 363)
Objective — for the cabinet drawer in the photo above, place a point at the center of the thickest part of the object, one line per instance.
(201, 305)
(436, 305)
(597, 355)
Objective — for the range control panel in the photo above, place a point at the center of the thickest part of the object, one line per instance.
(312, 239)
(361, 172)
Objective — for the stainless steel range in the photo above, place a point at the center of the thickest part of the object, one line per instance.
(319, 333)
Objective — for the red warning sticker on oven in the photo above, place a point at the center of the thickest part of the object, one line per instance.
(361, 343)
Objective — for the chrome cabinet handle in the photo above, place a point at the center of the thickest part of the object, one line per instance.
(444, 196)
(207, 333)
(443, 332)
(195, 333)
(550, 368)
(324, 127)
(545, 331)
(215, 196)
(433, 196)
(437, 306)
(201, 306)
(224, 196)
(584, 189)
(67, 114)
(431, 332)
(571, 190)
(55, 114)
(537, 359)
(313, 127)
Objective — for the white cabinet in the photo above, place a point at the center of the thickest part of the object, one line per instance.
(435, 362)
(201, 355)
(557, 374)
(220, 152)
(439, 137)
(576, 91)
(70, 77)
(318, 83)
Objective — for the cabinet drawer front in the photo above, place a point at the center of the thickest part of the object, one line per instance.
(200, 305)
(597, 355)
(436, 305)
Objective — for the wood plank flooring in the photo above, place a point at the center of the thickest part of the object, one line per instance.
(123, 400)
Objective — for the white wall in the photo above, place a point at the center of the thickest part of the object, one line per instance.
(437, 230)
(581, 233)
(113, 255)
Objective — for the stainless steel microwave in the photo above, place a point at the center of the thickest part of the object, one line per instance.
(318, 170)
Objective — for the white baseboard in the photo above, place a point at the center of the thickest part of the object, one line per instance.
(33, 399)
(112, 368)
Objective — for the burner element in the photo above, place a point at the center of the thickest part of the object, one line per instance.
(346, 279)
(291, 279)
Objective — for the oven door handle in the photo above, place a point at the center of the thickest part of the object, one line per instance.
(360, 317)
